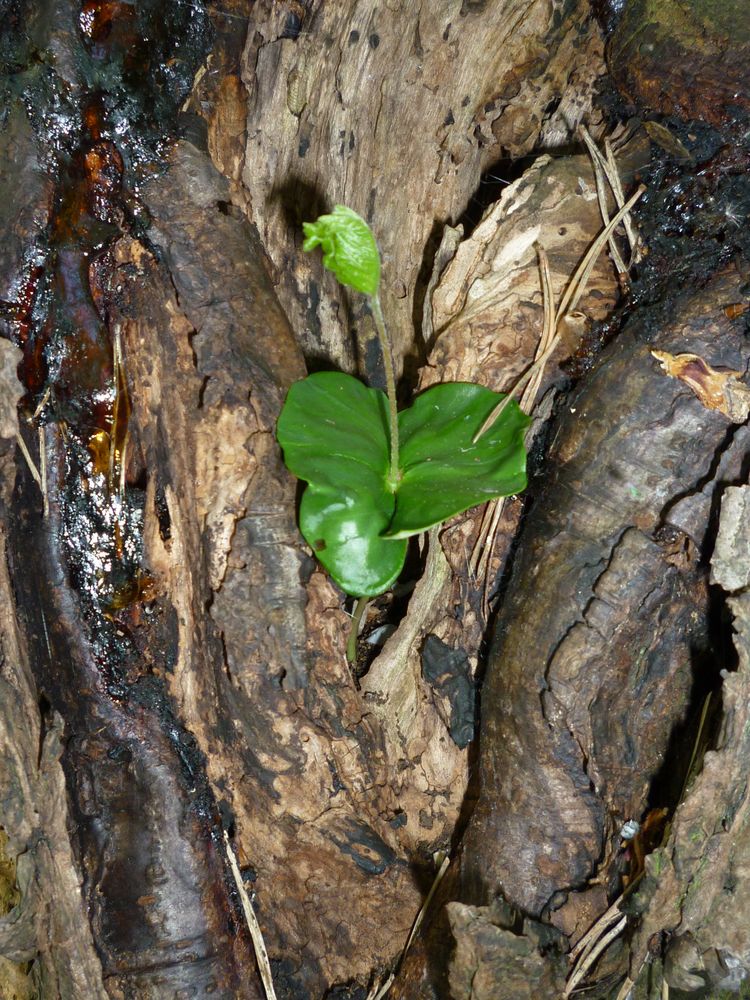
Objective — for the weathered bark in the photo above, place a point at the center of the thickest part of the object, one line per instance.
(601, 640)
(564, 718)
(302, 773)
(684, 58)
(289, 750)
(574, 732)
(145, 828)
(484, 315)
(192, 683)
(48, 923)
(696, 883)
(396, 110)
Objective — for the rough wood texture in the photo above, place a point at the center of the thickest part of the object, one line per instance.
(396, 109)
(48, 922)
(697, 884)
(219, 698)
(260, 680)
(148, 904)
(484, 320)
(599, 641)
(570, 661)
(684, 57)
(493, 960)
(209, 693)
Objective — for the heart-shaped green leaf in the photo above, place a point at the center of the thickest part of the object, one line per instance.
(349, 248)
(334, 432)
(442, 472)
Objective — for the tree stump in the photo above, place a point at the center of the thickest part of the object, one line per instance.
(175, 704)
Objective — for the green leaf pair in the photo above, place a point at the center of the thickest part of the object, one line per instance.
(335, 436)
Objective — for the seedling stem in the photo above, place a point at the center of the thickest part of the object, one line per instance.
(394, 475)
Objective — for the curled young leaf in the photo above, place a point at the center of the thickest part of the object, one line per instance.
(349, 248)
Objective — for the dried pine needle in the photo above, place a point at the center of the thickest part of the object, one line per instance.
(613, 176)
(29, 461)
(578, 282)
(261, 955)
(485, 544)
(528, 384)
(43, 469)
(625, 989)
(548, 340)
(585, 963)
(599, 165)
(378, 992)
(570, 299)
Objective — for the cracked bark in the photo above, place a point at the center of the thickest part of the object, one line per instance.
(222, 700)
(599, 644)
(232, 707)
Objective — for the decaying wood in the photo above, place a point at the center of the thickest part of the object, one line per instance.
(232, 716)
(396, 110)
(48, 921)
(688, 59)
(387, 819)
(492, 960)
(631, 443)
(697, 884)
(485, 314)
(579, 702)
(289, 749)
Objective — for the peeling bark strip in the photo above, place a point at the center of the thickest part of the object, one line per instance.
(148, 833)
(723, 391)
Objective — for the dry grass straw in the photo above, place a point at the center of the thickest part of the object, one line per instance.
(571, 297)
(527, 386)
(38, 475)
(482, 551)
(602, 174)
(261, 955)
(43, 469)
(121, 402)
(29, 461)
(606, 166)
(380, 989)
(597, 947)
(598, 937)
(625, 989)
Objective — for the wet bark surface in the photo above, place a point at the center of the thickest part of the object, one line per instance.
(146, 829)
(172, 667)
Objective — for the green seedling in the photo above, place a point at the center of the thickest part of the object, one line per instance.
(376, 476)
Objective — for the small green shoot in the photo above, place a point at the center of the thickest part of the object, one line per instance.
(375, 476)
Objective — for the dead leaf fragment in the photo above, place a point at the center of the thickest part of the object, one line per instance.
(736, 309)
(717, 390)
(669, 142)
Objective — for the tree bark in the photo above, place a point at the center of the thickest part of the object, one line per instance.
(173, 685)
